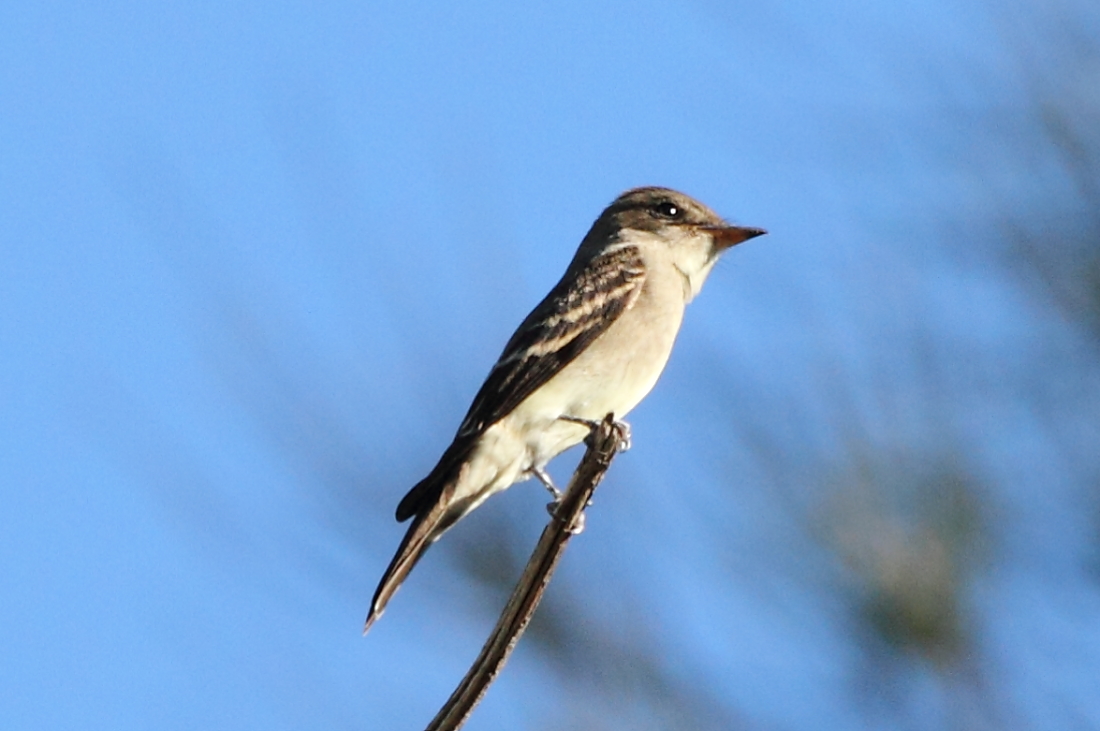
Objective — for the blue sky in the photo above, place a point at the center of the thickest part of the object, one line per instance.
(256, 259)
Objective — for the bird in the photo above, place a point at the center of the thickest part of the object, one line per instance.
(596, 344)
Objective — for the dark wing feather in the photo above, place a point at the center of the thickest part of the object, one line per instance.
(425, 493)
(576, 312)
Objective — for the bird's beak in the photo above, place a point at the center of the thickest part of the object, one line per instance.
(728, 236)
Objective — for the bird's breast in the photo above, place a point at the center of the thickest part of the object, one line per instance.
(612, 375)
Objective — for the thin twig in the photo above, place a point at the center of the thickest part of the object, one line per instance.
(603, 443)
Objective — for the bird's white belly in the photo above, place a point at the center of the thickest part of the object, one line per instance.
(611, 376)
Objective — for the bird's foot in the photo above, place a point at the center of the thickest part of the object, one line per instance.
(544, 477)
(578, 524)
(621, 427)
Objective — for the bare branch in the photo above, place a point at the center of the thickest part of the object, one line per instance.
(603, 443)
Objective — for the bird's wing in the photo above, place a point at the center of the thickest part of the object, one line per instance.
(578, 309)
(575, 312)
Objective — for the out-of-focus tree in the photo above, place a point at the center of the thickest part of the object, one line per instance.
(900, 505)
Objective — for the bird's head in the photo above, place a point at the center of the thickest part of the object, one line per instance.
(693, 234)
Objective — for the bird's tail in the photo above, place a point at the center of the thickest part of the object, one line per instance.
(435, 518)
(416, 541)
(432, 505)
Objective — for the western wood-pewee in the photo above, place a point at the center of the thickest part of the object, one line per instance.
(595, 345)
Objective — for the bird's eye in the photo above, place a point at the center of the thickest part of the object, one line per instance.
(668, 209)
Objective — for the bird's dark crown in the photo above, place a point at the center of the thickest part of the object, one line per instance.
(652, 208)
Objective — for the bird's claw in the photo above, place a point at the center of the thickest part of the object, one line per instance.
(578, 524)
(621, 427)
(544, 477)
(624, 436)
